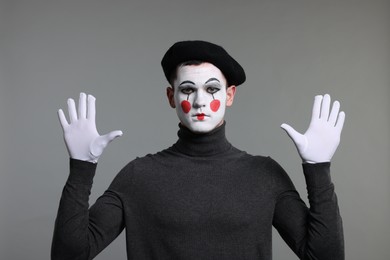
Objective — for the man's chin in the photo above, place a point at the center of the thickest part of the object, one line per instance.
(201, 127)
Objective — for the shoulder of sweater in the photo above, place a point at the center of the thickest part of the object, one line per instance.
(141, 160)
(167, 154)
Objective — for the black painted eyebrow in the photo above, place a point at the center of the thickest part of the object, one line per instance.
(187, 81)
(212, 79)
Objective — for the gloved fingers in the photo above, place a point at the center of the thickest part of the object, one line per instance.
(91, 108)
(292, 133)
(334, 113)
(316, 107)
(82, 106)
(325, 107)
(112, 135)
(72, 110)
(340, 121)
(98, 145)
(63, 121)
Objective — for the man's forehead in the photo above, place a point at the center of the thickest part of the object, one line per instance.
(202, 73)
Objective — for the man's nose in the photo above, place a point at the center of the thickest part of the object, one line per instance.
(200, 99)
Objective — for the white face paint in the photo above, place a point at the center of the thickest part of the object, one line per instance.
(200, 97)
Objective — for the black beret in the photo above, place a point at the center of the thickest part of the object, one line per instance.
(203, 51)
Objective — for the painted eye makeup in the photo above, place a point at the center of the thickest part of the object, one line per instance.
(187, 90)
(213, 86)
(212, 90)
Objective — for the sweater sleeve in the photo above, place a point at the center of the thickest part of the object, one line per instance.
(315, 232)
(81, 232)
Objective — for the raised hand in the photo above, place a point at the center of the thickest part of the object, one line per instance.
(81, 137)
(322, 138)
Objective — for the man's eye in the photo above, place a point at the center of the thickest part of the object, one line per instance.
(187, 91)
(212, 90)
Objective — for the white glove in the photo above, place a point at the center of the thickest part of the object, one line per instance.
(321, 139)
(81, 137)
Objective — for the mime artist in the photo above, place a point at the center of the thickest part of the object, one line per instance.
(200, 198)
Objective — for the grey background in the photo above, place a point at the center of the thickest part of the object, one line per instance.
(291, 51)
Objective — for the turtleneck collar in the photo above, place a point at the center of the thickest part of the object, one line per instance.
(205, 144)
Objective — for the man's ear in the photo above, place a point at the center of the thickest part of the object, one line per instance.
(170, 96)
(230, 92)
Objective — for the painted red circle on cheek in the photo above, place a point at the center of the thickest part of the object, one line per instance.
(186, 106)
(214, 105)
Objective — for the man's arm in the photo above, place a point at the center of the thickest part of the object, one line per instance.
(314, 233)
(80, 232)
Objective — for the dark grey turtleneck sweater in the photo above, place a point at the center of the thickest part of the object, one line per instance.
(199, 199)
